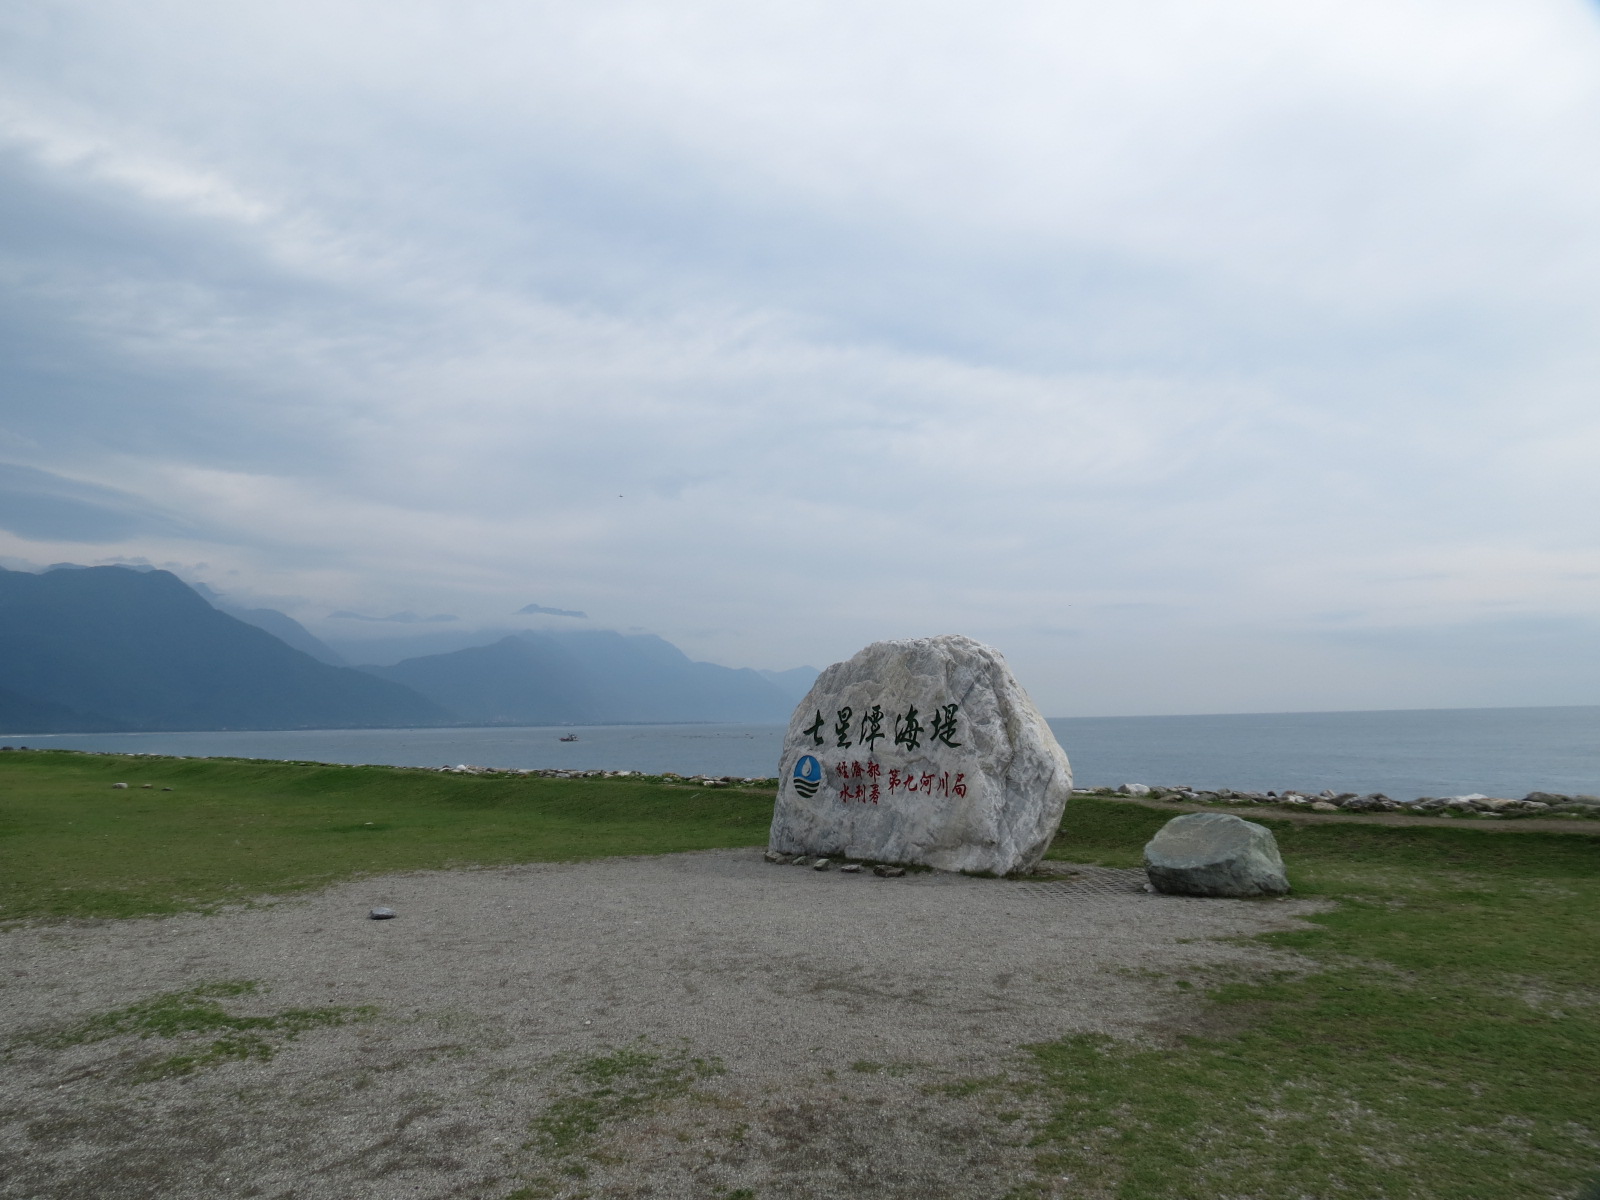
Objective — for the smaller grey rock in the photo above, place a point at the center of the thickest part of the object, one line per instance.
(1215, 854)
(800, 860)
(850, 868)
(883, 872)
(382, 914)
(1324, 806)
(820, 865)
(772, 856)
(1134, 789)
(119, 785)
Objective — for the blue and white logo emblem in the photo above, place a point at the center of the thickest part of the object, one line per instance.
(807, 776)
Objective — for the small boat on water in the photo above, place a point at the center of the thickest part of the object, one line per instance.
(567, 737)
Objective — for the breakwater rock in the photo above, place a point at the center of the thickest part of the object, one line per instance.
(1215, 854)
(921, 751)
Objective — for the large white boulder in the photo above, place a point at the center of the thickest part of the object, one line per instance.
(921, 751)
(1215, 854)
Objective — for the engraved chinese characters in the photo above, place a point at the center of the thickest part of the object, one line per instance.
(878, 781)
(908, 732)
(922, 751)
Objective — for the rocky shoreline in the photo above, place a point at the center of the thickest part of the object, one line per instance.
(642, 776)
(1534, 804)
(463, 769)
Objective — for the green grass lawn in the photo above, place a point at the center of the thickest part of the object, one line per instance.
(1437, 1034)
(231, 829)
(1445, 1043)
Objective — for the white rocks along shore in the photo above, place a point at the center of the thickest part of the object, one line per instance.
(1534, 804)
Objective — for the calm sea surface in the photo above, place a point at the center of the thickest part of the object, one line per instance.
(1433, 752)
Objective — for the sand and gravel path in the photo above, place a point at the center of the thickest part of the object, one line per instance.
(827, 1012)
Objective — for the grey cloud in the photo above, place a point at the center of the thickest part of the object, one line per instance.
(399, 618)
(1510, 634)
(1523, 660)
(780, 344)
(45, 507)
(553, 612)
(126, 324)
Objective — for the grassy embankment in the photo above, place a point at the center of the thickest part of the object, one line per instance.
(1444, 1043)
(232, 829)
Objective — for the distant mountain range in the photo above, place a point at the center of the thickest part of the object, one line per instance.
(124, 649)
(109, 648)
(280, 625)
(590, 677)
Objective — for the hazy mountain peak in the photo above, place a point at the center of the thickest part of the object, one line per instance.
(128, 649)
(588, 676)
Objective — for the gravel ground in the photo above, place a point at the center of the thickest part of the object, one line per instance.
(696, 1025)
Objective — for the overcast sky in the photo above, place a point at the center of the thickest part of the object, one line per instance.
(1238, 356)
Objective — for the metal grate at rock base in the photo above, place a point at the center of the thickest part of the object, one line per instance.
(1067, 879)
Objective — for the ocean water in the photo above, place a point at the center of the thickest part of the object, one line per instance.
(1409, 753)
(1404, 754)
